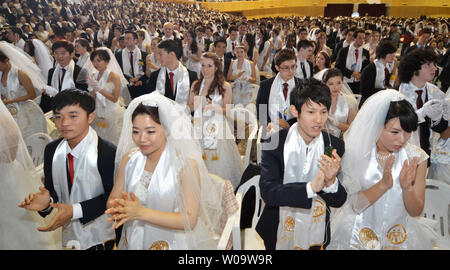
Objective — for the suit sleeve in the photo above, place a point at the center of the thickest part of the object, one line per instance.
(95, 207)
(340, 63)
(273, 191)
(367, 85)
(48, 178)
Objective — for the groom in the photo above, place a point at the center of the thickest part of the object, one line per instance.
(298, 176)
(175, 81)
(79, 175)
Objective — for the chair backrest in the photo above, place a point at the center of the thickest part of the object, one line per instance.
(36, 145)
(246, 116)
(437, 201)
(229, 211)
(358, 98)
(35, 119)
(259, 203)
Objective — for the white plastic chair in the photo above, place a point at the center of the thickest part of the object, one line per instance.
(229, 211)
(246, 116)
(259, 146)
(32, 119)
(36, 145)
(358, 98)
(437, 201)
(248, 238)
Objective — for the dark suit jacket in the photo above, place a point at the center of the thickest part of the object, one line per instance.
(107, 42)
(227, 63)
(46, 100)
(367, 85)
(342, 58)
(410, 49)
(93, 207)
(276, 194)
(135, 91)
(263, 99)
(151, 83)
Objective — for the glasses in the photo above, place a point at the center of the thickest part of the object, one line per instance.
(293, 68)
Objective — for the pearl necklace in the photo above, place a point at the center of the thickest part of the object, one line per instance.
(384, 157)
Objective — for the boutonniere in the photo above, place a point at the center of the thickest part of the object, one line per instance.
(141, 63)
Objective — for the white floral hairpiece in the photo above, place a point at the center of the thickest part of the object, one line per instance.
(398, 97)
(149, 103)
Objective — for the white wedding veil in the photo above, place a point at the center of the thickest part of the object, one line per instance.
(362, 136)
(25, 63)
(17, 180)
(43, 58)
(179, 137)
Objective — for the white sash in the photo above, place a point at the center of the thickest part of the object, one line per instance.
(351, 62)
(383, 225)
(87, 184)
(182, 85)
(278, 106)
(301, 228)
(162, 193)
(138, 65)
(68, 77)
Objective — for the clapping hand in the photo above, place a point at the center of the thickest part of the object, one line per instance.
(387, 173)
(330, 167)
(124, 210)
(408, 174)
(63, 216)
(37, 201)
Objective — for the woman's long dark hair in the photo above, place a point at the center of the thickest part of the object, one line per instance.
(251, 45)
(219, 77)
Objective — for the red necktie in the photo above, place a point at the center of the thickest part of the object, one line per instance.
(131, 63)
(70, 159)
(62, 78)
(356, 55)
(232, 46)
(285, 90)
(171, 81)
(221, 64)
(386, 78)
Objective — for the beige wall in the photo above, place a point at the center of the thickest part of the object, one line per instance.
(273, 8)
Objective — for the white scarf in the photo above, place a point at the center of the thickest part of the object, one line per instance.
(103, 34)
(182, 85)
(87, 184)
(351, 62)
(278, 106)
(68, 77)
(380, 76)
(300, 228)
(138, 65)
(162, 193)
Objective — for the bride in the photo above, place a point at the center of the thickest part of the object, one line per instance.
(17, 180)
(162, 192)
(384, 176)
(105, 85)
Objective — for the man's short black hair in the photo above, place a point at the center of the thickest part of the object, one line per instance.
(73, 96)
(310, 90)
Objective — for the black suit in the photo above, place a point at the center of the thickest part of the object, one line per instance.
(341, 64)
(94, 207)
(367, 85)
(135, 91)
(263, 100)
(106, 41)
(46, 100)
(276, 194)
(169, 92)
